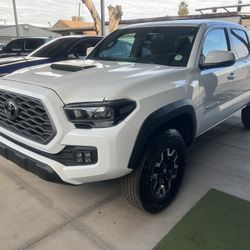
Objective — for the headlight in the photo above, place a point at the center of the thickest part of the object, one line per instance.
(99, 114)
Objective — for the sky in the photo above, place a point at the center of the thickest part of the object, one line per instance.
(47, 12)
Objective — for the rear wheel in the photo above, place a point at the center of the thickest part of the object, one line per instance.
(245, 116)
(155, 183)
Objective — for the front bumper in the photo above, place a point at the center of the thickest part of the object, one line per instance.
(114, 147)
(32, 165)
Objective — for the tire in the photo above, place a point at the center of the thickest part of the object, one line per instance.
(156, 181)
(245, 117)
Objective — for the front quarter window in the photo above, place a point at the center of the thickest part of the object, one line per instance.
(170, 46)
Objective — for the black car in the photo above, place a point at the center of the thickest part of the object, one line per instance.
(63, 48)
(22, 46)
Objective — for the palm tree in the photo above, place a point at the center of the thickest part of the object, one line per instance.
(183, 9)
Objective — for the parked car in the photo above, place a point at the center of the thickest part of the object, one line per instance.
(22, 46)
(1, 46)
(68, 47)
(128, 113)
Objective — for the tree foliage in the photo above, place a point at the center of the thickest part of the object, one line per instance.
(183, 9)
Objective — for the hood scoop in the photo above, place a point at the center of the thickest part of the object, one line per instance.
(71, 66)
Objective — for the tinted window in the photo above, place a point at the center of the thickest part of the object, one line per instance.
(120, 48)
(215, 40)
(240, 43)
(15, 46)
(56, 48)
(32, 44)
(80, 49)
(158, 45)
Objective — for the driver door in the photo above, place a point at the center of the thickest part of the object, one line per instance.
(216, 85)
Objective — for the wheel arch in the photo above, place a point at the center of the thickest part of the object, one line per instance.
(179, 115)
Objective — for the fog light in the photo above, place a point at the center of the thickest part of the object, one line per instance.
(86, 157)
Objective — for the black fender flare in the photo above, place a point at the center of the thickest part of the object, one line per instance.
(156, 120)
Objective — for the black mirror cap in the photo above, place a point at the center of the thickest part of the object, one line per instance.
(217, 65)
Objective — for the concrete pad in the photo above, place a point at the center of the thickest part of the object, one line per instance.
(23, 216)
(223, 157)
(68, 237)
(222, 129)
(200, 178)
(71, 200)
(124, 227)
(237, 137)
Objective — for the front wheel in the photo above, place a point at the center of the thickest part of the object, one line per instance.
(155, 183)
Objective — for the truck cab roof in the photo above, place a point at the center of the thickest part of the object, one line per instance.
(199, 22)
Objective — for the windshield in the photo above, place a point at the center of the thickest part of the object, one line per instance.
(169, 46)
(54, 49)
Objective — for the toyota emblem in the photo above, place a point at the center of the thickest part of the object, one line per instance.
(11, 109)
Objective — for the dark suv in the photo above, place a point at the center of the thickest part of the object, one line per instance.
(22, 46)
(62, 48)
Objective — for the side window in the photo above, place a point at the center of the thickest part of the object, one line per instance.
(15, 46)
(215, 40)
(32, 44)
(240, 43)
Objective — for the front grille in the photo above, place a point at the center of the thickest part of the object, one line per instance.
(32, 121)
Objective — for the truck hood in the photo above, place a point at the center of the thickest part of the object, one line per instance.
(82, 81)
(19, 59)
(11, 59)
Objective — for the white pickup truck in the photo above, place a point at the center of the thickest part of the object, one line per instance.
(130, 109)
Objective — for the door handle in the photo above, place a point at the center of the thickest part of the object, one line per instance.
(231, 76)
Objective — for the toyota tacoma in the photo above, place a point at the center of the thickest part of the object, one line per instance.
(130, 109)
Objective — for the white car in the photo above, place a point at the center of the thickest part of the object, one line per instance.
(130, 109)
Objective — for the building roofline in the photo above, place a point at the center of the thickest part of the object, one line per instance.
(30, 25)
(85, 28)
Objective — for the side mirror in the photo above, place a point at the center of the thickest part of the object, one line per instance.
(89, 50)
(218, 58)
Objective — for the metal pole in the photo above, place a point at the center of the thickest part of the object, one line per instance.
(79, 11)
(103, 17)
(15, 15)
